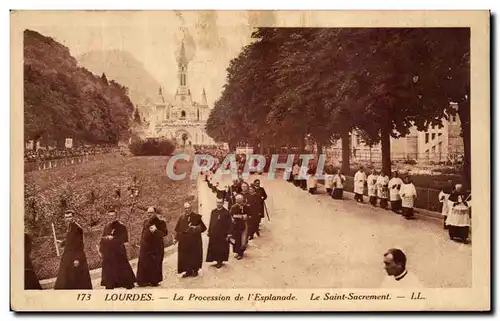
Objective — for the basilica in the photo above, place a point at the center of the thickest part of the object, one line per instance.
(182, 120)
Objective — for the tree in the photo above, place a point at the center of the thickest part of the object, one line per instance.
(137, 117)
(63, 100)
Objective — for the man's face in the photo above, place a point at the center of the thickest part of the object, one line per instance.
(68, 219)
(187, 209)
(244, 188)
(219, 204)
(111, 216)
(251, 190)
(390, 267)
(257, 184)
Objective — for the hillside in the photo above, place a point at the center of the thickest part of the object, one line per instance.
(124, 68)
(63, 100)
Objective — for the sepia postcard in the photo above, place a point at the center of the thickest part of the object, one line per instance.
(250, 161)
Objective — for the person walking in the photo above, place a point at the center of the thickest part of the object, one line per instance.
(190, 249)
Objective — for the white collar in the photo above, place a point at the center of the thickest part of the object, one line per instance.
(401, 276)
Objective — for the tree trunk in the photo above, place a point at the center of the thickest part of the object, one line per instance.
(464, 114)
(385, 139)
(346, 152)
(319, 149)
(302, 145)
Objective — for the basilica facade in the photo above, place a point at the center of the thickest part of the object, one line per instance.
(183, 119)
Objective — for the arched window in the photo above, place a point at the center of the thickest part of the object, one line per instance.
(183, 114)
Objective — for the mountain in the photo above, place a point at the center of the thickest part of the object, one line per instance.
(124, 68)
(62, 99)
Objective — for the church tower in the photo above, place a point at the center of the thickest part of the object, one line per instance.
(204, 98)
(182, 65)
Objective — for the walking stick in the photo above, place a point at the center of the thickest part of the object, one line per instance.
(267, 212)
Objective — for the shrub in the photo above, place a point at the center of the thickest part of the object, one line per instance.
(152, 147)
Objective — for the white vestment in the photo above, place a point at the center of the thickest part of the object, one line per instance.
(328, 181)
(408, 194)
(338, 181)
(394, 183)
(312, 182)
(409, 281)
(443, 198)
(372, 184)
(382, 186)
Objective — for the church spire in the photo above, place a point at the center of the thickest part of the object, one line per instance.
(160, 96)
(204, 98)
(182, 55)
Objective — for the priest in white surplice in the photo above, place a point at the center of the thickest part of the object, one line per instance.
(359, 184)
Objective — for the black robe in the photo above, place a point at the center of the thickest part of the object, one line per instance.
(116, 269)
(240, 228)
(190, 249)
(254, 206)
(30, 279)
(152, 251)
(70, 277)
(221, 194)
(218, 230)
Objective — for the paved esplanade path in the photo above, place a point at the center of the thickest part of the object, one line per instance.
(313, 241)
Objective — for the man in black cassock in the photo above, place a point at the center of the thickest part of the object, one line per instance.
(188, 233)
(116, 269)
(73, 270)
(30, 278)
(239, 214)
(263, 196)
(150, 265)
(218, 232)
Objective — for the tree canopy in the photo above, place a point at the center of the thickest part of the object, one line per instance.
(289, 84)
(63, 100)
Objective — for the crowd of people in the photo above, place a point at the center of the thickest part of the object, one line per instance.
(236, 219)
(392, 193)
(46, 154)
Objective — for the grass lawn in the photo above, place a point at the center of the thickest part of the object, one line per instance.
(103, 177)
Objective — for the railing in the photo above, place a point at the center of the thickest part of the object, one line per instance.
(60, 162)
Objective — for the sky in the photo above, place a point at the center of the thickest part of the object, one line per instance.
(211, 38)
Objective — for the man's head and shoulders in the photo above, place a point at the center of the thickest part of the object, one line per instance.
(153, 217)
(398, 276)
(71, 224)
(188, 211)
(113, 219)
(219, 209)
(236, 208)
